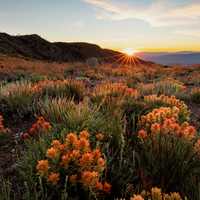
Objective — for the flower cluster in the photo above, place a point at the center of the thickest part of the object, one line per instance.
(41, 126)
(115, 90)
(157, 194)
(170, 101)
(169, 126)
(158, 115)
(76, 160)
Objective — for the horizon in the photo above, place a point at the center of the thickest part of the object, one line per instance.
(147, 26)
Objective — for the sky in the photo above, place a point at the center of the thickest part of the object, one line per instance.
(144, 25)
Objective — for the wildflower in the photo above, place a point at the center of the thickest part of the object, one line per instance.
(86, 159)
(106, 187)
(53, 178)
(84, 134)
(101, 163)
(155, 128)
(46, 125)
(42, 166)
(189, 132)
(137, 197)
(52, 153)
(65, 159)
(72, 139)
(62, 147)
(84, 144)
(89, 178)
(39, 127)
(142, 134)
(99, 186)
(56, 144)
(96, 154)
(75, 154)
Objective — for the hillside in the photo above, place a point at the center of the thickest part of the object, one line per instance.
(33, 46)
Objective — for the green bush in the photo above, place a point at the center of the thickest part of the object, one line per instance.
(171, 163)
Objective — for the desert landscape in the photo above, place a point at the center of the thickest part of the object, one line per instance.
(83, 121)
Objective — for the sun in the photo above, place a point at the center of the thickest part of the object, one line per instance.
(129, 51)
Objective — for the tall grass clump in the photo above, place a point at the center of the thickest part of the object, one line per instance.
(165, 87)
(66, 114)
(62, 88)
(18, 99)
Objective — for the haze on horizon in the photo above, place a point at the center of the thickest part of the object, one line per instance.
(145, 25)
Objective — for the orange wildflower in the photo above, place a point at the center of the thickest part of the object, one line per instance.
(53, 178)
(65, 159)
(106, 187)
(84, 144)
(142, 134)
(96, 154)
(84, 134)
(101, 163)
(75, 154)
(52, 153)
(72, 139)
(42, 166)
(90, 178)
(155, 128)
(56, 144)
(86, 159)
(99, 186)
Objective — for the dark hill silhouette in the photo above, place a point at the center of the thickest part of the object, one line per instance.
(33, 46)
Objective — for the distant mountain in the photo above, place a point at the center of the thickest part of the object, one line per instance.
(33, 46)
(164, 58)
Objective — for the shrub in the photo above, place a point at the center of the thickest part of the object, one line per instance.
(18, 98)
(66, 114)
(67, 88)
(41, 126)
(114, 90)
(166, 87)
(72, 164)
(167, 154)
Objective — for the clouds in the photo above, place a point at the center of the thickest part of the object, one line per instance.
(157, 13)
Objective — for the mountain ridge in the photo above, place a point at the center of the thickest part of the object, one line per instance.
(36, 47)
